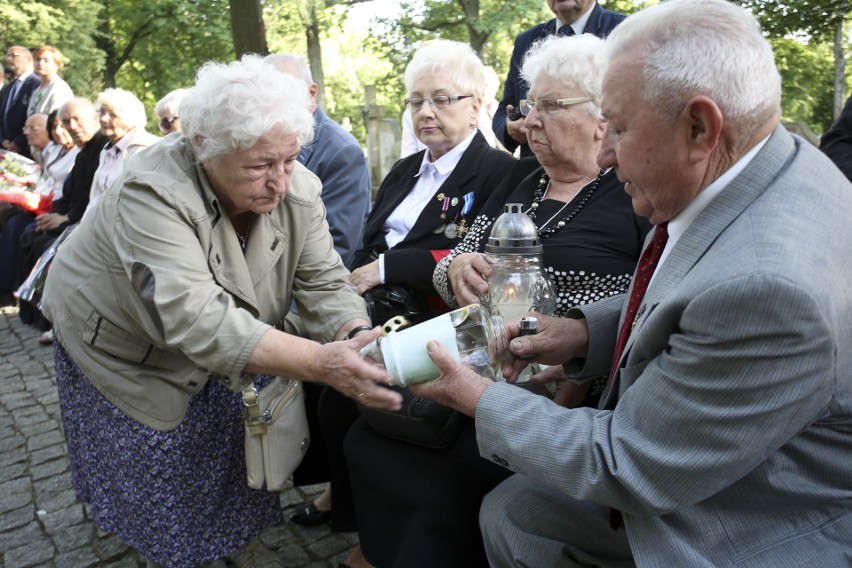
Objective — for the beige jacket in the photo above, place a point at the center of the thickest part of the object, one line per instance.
(151, 295)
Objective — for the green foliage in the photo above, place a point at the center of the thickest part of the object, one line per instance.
(148, 48)
(814, 18)
(807, 81)
(802, 34)
(155, 47)
(627, 6)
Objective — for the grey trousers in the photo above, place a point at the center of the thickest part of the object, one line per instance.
(528, 524)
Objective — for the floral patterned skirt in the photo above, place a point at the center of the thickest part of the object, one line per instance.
(179, 497)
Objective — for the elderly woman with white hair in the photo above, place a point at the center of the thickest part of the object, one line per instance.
(123, 121)
(418, 506)
(167, 110)
(170, 298)
(421, 211)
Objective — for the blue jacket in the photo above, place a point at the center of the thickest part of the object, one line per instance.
(337, 159)
(600, 23)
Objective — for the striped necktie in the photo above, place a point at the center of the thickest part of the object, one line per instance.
(644, 271)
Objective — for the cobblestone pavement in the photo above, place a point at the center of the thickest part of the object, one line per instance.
(41, 522)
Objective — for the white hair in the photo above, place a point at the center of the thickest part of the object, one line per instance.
(702, 47)
(233, 105)
(293, 63)
(576, 61)
(169, 105)
(125, 105)
(459, 59)
(83, 104)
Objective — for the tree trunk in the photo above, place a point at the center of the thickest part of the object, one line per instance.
(839, 60)
(247, 27)
(476, 37)
(312, 35)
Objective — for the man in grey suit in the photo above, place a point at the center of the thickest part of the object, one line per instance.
(725, 436)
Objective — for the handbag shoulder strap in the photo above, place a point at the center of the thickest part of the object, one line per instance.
(251, 400)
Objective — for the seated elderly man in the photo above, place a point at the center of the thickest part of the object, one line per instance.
(725, 432)
(35, 129)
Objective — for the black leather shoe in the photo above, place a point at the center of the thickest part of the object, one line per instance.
(308, 516)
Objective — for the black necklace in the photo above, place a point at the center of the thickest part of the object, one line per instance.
(587, 191)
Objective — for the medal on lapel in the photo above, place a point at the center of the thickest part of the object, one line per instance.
(451, 231)
(462, 229)
(446, 205)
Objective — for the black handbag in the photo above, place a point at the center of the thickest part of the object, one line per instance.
(420, 420)
(390, 300)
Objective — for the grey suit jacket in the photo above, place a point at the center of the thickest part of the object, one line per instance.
(731, 440)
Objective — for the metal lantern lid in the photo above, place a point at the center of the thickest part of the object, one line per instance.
(514, 233)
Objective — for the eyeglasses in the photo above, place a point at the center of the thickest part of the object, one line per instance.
(440, 102)
(32, 128)
(167, 121)
(549, 106)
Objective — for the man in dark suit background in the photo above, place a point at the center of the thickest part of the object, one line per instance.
(573, 17)
(15, 98)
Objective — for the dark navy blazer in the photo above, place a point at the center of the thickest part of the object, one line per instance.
(13, 128)
(412, 261)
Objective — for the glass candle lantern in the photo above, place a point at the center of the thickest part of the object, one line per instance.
(472, 334)
(518, 284)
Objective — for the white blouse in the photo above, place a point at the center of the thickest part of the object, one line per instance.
(57, 164)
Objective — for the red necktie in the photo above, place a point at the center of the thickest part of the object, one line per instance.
(644, 270)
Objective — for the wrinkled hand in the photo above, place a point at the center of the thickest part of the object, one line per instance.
(516, 128)
(360, 380)
(458, 387)
(558, 340)
(48, 221)
(366, 277)
(468, 274)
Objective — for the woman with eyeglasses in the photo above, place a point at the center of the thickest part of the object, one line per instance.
(423, 208)
(167, 110)
(174, 294)
(592, 240)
